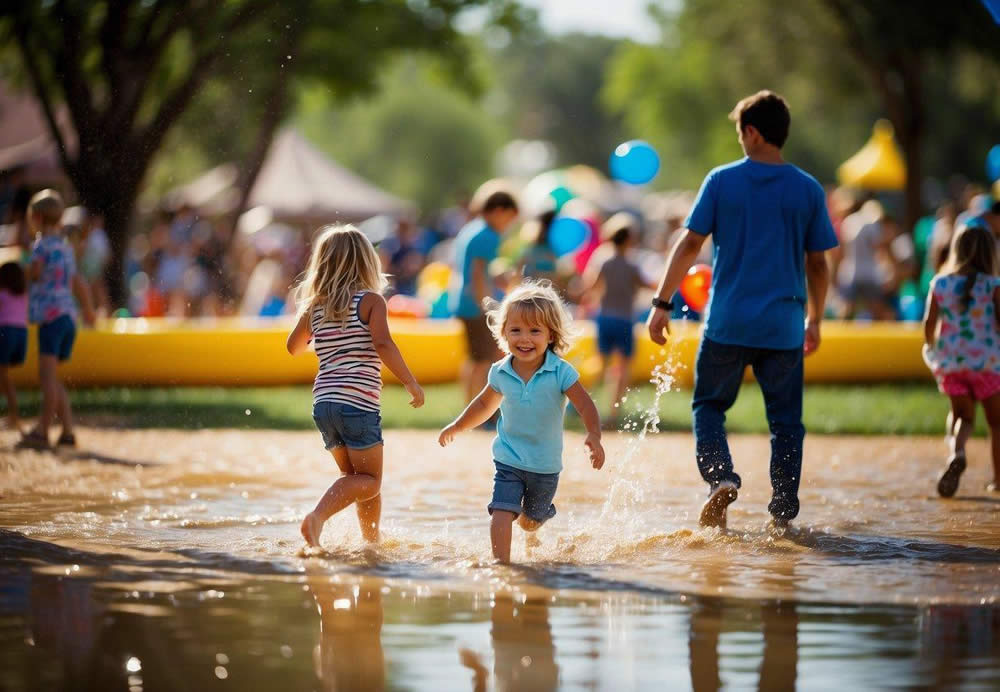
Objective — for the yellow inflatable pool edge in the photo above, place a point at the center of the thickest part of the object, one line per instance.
(160, 352)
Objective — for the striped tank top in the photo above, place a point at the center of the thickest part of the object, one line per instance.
(350, 371)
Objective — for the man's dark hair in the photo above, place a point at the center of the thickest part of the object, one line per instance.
(500, 200)
(767, 112)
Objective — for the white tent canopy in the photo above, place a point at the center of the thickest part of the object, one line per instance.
(295, 182)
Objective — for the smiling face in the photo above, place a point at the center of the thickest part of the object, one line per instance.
(526, 339)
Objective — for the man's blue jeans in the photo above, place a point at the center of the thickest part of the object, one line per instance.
(718, 375)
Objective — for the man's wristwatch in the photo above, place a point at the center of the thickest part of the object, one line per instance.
(663, 304)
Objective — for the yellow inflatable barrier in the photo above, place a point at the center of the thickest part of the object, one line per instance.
(138, 351)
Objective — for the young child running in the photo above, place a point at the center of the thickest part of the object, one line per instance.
(344, 314)
(962, 345)
(53, 283)
(618, 279)
(13, 332)
(530, 387)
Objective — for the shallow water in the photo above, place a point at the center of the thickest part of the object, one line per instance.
(176, 547)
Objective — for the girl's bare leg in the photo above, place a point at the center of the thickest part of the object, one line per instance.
(13, 415)
(500, 535)
(992, 408)
(361, 481)
(963, 410)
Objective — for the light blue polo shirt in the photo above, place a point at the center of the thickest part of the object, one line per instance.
(530, 429)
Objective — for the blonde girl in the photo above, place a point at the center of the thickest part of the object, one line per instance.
(343, 314)
(530, 386)
(962, 345)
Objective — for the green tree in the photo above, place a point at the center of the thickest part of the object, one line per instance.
(552, 90)
(841, 64)
(127, 70)
(419, 136)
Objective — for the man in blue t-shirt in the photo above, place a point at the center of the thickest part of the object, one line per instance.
(475, 247)
(770, 229)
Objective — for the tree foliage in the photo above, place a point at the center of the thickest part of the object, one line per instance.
(127, 70)
(840, 64)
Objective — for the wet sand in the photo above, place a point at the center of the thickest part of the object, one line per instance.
(871, 529)
(181, 550)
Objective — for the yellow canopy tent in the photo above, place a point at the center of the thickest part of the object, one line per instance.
(878, 165)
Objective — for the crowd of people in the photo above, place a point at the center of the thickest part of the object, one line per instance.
(183, 264)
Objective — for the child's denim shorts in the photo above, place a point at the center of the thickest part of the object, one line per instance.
(517, 491)
(56, 338)
(343, 425)
(13, 345)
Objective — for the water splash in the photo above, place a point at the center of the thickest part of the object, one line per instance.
(627, 495)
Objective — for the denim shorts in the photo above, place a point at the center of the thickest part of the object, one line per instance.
(615, 334)
(56, 338)
(343, 425)
(517, 491)
(13, 344)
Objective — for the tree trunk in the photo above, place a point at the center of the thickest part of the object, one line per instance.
(114, 197)
(275, 108)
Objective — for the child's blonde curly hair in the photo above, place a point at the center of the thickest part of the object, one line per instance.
(537, 303)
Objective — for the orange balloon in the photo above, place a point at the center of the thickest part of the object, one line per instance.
(695, 286)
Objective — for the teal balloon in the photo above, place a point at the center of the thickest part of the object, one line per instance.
(439, 308)
(561, 195)
(912, 308)
(635, 162)
(566, 234)
(993, 164)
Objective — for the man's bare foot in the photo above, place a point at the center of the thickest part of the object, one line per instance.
(312, 527)
(713, 512)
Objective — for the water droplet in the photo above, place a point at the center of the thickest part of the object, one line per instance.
(221, 672)
(247, 412)
(133, 664)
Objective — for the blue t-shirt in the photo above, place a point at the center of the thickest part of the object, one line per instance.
(763, 218)
(530, 429)
(475, 241)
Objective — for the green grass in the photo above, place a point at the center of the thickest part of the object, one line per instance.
(887, 409)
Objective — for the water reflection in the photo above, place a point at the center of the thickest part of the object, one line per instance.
(778, 624)
(524, 656)
(150, 626)
(349, 654)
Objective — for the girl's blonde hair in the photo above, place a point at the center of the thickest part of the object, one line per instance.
(342, 262)
(537, 303)
(973, 252)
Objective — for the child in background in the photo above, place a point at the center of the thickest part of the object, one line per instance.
(962, 345)
(475, 248)
(53, 282)
(618, 279)
(13, 332)
(538, 261)
(344, 315)
(530, 387)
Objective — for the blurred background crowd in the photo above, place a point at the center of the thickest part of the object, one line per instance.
(203, 199)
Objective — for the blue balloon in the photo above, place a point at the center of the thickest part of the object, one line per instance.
(634, 162)
(567, 234)
(993, 164)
